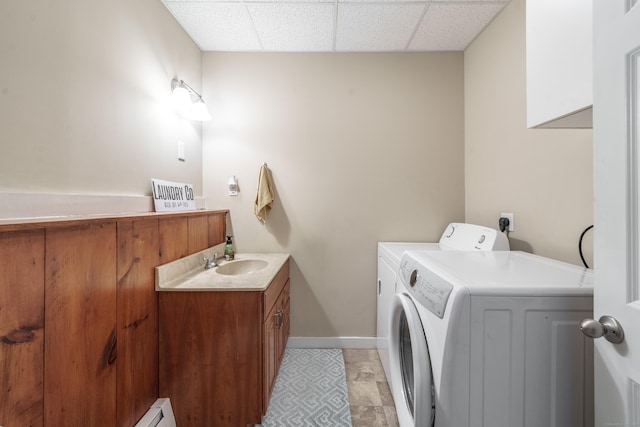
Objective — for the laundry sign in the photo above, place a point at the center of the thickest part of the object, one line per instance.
(172, 196)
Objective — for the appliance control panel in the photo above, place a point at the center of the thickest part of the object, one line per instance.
(427, 289)
(469, 237)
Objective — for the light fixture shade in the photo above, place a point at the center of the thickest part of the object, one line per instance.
(181, 94)
(199, 111)
(181, 98)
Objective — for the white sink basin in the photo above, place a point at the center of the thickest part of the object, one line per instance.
(249, 271)
(244, 266)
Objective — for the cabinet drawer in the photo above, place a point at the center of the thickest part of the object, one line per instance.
(272, 293)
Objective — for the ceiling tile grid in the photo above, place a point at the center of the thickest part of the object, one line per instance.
(452, 26)
(294, 26)
(376, 27)
(333, 25)
(216, 25)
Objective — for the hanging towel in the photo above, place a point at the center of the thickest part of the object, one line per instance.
(264, 197)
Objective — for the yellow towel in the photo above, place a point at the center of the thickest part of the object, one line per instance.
(264, 197)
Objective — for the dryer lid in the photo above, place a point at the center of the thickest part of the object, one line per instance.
(506, 273)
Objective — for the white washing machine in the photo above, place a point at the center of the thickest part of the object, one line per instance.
(491, 339)
(457, 236)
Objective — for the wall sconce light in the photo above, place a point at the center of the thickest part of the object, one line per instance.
(182, 98)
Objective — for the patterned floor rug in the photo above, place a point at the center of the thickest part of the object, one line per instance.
(310, 390)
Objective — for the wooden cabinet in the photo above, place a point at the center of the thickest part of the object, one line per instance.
(275, 332)
(559, 64)
(79, 314)
(220, 352)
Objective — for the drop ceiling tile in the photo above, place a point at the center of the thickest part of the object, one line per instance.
(294, 27)
(199, 1)
(385, 1)
(290, 1)
(452, 26)
(216, 25)
(376, 26)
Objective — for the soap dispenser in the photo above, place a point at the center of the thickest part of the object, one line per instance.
(229, 252)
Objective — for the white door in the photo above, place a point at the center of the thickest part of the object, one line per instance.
(616, 130)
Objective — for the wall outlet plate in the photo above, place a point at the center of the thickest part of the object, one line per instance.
(510, 216)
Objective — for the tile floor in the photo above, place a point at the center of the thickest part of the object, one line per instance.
(370, 399)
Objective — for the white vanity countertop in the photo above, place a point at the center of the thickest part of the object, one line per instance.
(189, 274)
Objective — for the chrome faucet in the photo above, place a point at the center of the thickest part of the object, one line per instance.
(211, 262)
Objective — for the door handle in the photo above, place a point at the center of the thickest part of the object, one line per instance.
(607, 327)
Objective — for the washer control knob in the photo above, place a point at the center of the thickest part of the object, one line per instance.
(413, 278)
(450, 231)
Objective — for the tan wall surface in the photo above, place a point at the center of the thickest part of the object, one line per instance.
(543, 176)
(84, 90)
(363, 148)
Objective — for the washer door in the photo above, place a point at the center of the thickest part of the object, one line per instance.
(412, 384)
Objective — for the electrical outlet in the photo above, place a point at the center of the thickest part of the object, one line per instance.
(510, 216)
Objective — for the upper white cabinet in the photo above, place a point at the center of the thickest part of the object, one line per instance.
(559, 64)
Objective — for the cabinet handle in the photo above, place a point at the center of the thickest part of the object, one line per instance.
(279, 317)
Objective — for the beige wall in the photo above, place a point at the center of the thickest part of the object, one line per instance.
(543, 176)
(84, 87)
(363, 148)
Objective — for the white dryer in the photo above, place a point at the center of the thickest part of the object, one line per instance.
(491, 339)
(456, 236)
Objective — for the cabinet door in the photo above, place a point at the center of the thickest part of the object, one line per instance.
(270, 358)
(21, 328)
(276, 334)
(559, 63)
(80, 336)
(283, 332)
(210, 357)
(283, 327)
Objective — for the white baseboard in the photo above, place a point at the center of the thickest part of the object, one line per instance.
(332, 342)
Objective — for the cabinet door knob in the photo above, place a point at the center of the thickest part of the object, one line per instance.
(279, 318)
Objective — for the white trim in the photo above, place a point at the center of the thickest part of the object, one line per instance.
(633, 59)
(48, 205)
(160, 414)
(332, 342)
